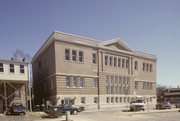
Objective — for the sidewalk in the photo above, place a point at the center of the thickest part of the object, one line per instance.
(148, 112)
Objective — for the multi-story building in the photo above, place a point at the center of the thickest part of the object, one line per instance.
(91, 73)
(172, 95)
(14, 79)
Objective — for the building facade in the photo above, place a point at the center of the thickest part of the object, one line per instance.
(13, 83)
(172, 95)
(91, 73)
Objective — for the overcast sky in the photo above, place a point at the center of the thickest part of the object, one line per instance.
(148, 25)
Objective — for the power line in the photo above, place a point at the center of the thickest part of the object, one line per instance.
(8, 35)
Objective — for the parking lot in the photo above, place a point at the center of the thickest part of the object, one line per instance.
(102, 115)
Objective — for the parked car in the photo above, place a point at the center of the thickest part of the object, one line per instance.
(163, 105)
(16, 108)
(61, 109)
(177, 105)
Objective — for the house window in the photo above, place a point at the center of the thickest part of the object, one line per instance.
(94, 82)
(119, 62)
(120, 89)
(81, 56)
(112, 99)
(150, 67)
(74, 55)
(128, 81)
(82, 83)
(123, 63)
(151, 85)
(120, 99)
(94, 58)
(112, 89)
(107, 90)
(120, 79)
(17, 94)
(106, 60)
(144, 65)
(116, 99)
(107, 79)
(124, 99)
(136, 84)
(68, 81)
(136, 65)
(95, 99)
(116, 79)
(112, 79)
(147, 67)
(110, 61)
(83, 100)
(1, 67)
(124, 80)
(21, 68)
(144, 85)
(11, 68)
(67, 54)
(75, 81)
(115, 61)
(127, 63)
(108, 99)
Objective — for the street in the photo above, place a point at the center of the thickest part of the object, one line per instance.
(104, 115)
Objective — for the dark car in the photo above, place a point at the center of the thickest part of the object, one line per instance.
(16, 108)
(163, 105)
(66, 107)
(177, 105)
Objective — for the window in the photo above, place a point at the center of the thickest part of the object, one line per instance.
(107, 79)
(123, 63)
(136, 84)
(128, 81)
(135, 65)
(108, 99)
(106, 60)
(120, 89)
(1, 67)
(119, 62)
(95, 99)
(116, 89)
(144, 66)
(112, 99)
(144, 85)
(112, 89)
(83, 100)
(115, 61)
(120, 79)
(151, 85)
(17, 94)
(75, 81)
(67, 54)
(147, 67)
(74, 55)
(124, 80)
(82, 83)
(81, 56)
(112, 79)
(94, 58)
(110, 61)
(150, 67)
(21, 68)
(120, 99)
(127, 63)
(94, 82)
(68, 81)
(116, 99)
(107, 90)
(11, 68)
(116, 79)
(124, 99)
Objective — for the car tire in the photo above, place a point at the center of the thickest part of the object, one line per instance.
(24, 113)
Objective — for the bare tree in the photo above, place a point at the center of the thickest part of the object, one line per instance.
(20, 55)
(160, 92)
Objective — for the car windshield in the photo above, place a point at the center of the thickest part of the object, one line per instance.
(163, 102)
(17, 104)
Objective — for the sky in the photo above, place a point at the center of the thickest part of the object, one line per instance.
(152, 26)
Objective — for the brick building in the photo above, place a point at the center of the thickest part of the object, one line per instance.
(91, 73)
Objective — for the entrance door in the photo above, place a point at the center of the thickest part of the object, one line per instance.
(1, 106)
